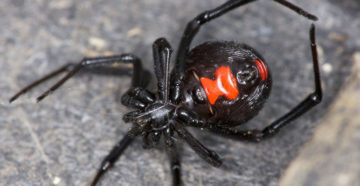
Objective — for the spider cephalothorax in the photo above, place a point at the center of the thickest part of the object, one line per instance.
(215, 86)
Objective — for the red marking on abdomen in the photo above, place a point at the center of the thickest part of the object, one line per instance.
(261, 68)
(223, 85)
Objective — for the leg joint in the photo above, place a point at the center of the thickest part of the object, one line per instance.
(316, 97)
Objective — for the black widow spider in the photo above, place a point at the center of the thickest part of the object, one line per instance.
(215, 86)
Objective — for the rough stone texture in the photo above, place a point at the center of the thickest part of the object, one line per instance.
(332, 157)
(62, 140)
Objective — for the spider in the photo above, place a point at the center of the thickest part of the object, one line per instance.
(215, 86)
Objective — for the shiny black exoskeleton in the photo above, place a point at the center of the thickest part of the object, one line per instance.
(204, 60)
(215, 86)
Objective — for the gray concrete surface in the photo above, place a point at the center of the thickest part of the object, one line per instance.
(332, 156)
(62, 140)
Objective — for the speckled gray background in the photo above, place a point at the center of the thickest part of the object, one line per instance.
(62, 140)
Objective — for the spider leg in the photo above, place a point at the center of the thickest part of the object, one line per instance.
(193, 28)
(86, 62)
(190, 118)
(162, 53)
(65, 68)
(111, 158)
(175, 166)
(208, 155)
(116, 152)
(137, 97)
(173, 153)
(147, 143)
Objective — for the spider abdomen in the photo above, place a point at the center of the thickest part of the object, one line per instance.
(226, 81)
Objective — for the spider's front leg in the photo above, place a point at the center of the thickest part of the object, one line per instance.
(138, 78)
(66, 68)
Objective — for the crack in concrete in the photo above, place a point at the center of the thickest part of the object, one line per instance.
(24, 120)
